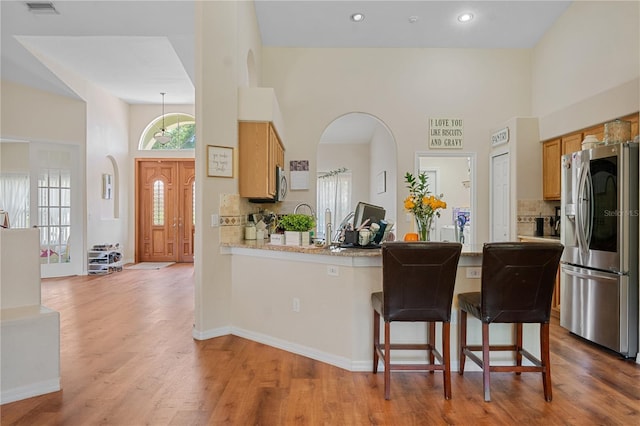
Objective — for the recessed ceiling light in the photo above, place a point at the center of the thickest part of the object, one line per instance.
(413, 19)
(465, 17)
(357, 17)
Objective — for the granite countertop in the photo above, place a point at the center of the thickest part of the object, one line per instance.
(311, 249)
(467, 250)
(544, 238)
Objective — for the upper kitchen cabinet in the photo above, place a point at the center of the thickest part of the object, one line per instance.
(260, 146)
(634, 119)
(554, 149)
(551, 153)
(572, 143)
(260, 154)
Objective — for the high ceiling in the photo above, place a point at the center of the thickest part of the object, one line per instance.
(137, 49)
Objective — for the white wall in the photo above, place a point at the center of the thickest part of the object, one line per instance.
(225, 34)
(403, 88)
(30, 114)
(383, 159)
(585, 69)
(14, 157)
(34, 116)
(107, 152)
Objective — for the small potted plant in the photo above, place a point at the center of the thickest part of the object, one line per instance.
(296, 228)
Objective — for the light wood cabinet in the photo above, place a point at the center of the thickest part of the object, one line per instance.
(597, 131)
(554, 149)
(551, 153)
(633, 118)
(260, 152)
(572, 143)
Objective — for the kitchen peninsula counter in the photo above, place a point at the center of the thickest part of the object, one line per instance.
(541, 239)
(364, 256)
(316, 301)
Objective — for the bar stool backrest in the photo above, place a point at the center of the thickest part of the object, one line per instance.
(418, 280)
(518, 281)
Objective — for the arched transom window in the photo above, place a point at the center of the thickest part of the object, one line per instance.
(180, 127)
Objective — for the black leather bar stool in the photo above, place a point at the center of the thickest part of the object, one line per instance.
(517, 287)
(418, 281)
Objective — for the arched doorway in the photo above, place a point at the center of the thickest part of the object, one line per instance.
(365, 148)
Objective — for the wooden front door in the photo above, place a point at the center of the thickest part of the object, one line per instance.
(164, 206)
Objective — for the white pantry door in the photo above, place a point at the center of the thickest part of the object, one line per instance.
(500, 188)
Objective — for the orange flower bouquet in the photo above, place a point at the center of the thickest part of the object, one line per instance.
(422, 203)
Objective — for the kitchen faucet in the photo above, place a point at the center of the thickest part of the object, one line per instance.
(295, 211)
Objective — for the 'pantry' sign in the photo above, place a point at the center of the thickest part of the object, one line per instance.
(445, 133)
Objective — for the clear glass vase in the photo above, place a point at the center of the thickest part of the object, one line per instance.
(423, 224)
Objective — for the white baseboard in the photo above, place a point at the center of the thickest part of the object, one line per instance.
(341, 362)
(210, 334)
(24, 392)
(295, 348)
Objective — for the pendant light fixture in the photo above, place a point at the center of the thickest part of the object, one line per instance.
(162, 137)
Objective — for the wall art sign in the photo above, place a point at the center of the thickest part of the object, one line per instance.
(446, 133)
(299, 171)
(219, 161)
(500, 137)
(381, 182)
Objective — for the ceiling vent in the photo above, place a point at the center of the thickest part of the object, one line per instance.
(42, 7)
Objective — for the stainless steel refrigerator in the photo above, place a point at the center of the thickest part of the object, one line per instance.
(599, 229)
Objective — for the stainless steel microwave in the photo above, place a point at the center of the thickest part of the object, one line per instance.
(281, 184)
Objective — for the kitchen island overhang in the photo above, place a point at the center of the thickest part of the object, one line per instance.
(315, 302)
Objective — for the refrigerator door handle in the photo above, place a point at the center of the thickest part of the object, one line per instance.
(589, 273)
(588, 190)
(581, 212)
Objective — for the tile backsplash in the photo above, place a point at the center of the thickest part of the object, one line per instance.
(233, 214)
(528, 210)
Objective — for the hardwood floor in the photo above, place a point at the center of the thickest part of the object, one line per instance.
(128, 358)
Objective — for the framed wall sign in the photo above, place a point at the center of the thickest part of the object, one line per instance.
(446, 133)
(219, 161)
(500, 137)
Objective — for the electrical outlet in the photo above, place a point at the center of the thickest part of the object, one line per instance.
(332, 270)
(215, 220)
(296, 304)
(474, 272)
